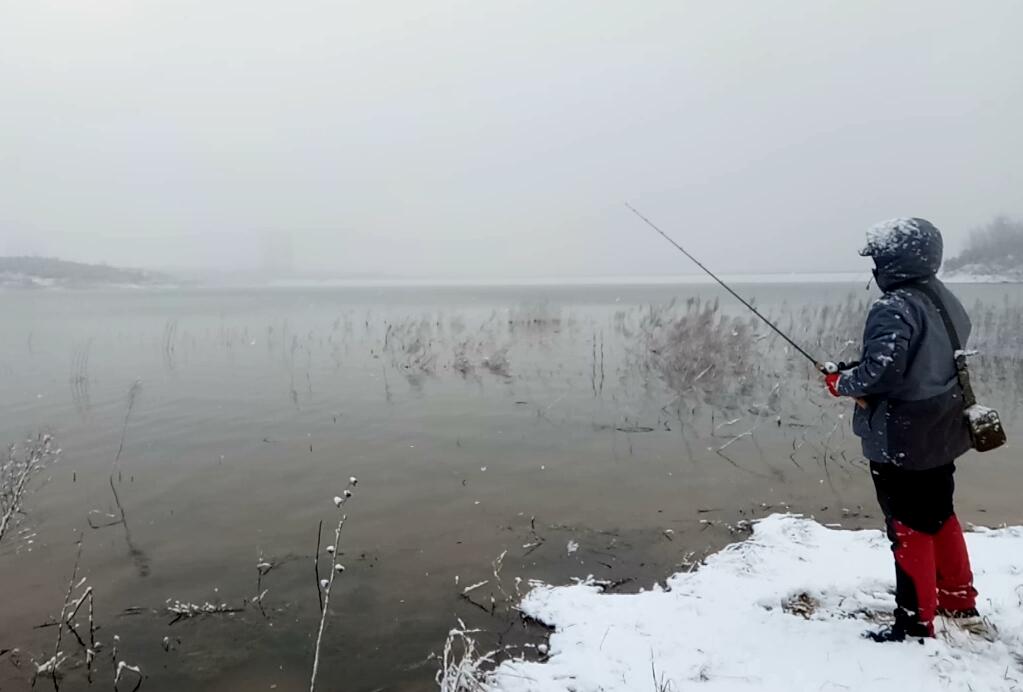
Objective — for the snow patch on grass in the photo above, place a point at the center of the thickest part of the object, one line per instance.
(783, 610)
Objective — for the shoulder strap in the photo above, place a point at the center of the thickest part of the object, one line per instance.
(962, 371)
(936, 301)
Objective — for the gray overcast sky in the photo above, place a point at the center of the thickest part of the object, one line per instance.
(473, 138)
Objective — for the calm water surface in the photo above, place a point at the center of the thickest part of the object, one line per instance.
(477, 420)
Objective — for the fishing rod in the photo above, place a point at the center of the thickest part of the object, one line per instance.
(823, 367)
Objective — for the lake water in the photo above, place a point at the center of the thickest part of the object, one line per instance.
(636, 422)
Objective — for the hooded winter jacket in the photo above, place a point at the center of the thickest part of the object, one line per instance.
(907, 373)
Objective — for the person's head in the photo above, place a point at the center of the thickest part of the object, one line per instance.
(904, 249)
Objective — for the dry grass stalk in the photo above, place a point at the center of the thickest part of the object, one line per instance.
(463, 667)
(184, 611)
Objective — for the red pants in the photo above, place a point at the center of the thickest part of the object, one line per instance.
(932, 566)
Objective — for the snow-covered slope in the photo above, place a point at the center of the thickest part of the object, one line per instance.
(47, 272)
(782, 611)
(983, 274)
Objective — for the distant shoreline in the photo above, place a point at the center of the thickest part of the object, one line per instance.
(31, 283)
(652, 280)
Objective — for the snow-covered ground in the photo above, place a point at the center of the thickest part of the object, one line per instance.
(783, 610)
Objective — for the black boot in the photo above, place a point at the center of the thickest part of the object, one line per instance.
(892, 633)
(906, 627)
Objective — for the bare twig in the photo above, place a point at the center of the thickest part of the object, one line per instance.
(15, 474)
(498, 565)
(263, 568)
(336, 568)
(316, 564)
(62, 620)
(138, 556)
(133, 392)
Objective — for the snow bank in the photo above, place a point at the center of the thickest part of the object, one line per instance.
(724, 626)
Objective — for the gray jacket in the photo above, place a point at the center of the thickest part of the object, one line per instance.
(907, 374)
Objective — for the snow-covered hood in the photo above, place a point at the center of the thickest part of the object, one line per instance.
(904, 249)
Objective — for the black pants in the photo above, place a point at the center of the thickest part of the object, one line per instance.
(921, 500)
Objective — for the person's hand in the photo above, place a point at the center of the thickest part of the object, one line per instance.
(833, 373)
(831, 381)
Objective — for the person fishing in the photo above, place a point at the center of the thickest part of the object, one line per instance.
(916, 413)
(909, 418)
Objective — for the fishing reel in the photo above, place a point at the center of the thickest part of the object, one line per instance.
(830, 368)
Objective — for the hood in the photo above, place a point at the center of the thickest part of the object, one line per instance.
(904, 250)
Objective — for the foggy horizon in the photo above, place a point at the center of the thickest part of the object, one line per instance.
(381, 286)
(464, 140)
